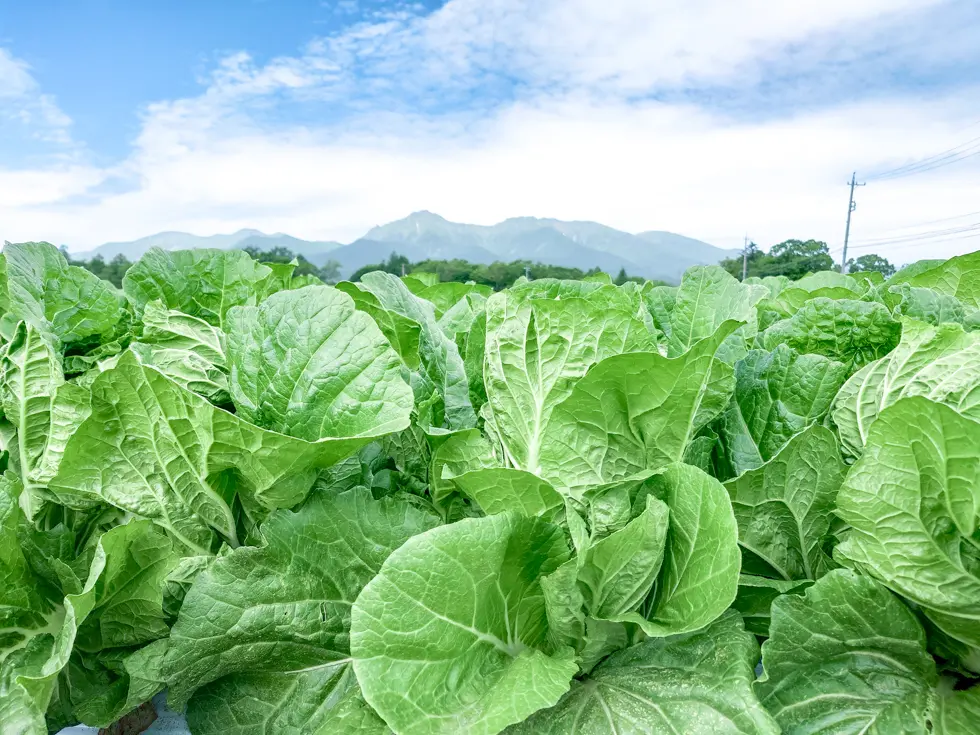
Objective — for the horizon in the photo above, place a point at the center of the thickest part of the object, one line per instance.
(321, 120)
(259, 232)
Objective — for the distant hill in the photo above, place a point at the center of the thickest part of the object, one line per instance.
(424, 235)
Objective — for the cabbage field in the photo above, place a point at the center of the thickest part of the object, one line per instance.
(412, 507)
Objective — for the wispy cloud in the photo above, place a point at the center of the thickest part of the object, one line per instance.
(24, 110)
(706, 117)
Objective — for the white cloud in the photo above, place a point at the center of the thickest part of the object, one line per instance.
(571, 145)
(22, 103)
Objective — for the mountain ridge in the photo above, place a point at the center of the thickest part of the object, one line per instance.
(425, 235)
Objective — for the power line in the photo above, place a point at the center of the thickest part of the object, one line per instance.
(968, 236)
(933, 222)
(953, 155)
(918, 237)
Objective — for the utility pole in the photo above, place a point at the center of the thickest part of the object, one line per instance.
(745, 257)
(851, 206)
(527, 272)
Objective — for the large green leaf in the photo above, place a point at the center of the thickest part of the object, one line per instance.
(205, 283)
(402, 333)
(912, 502)
(941, 363)
(323, 701)
(66, 303)
(697, 684)
(501, 489)
(155, 449)
(26, 605)
(536, 349)
(441, 366)
(619, 570)
(849, 331)
(928, 305)
(305, 363)
(121, 600)
(707, 297)
(699, 578)
(958, 277)
(271, 625)
(452, 635)
(43, 408)
(634, 412)
(847, 657)
(778, 394)
(186, 349)
(784, 508)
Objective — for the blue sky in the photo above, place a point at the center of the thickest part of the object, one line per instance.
(708, 117)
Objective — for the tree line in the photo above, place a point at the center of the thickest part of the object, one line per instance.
(498, 275)
(795, 258)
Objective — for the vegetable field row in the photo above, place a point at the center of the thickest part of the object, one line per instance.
(412, 507)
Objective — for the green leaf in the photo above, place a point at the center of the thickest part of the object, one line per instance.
(697, 684)
(928, 305)
(305, 363)
(755, 598)
(66, 303)
(849, 331)
(402, 333)
(619, 570)
(25, 605)
(784, 508)
(462, 452)
(699, 578)
(186, 349)
(323, 700)
(444, 296)
(452, 635)
(912, 503)
(847, 657)
(536, 350)
(144, 449)
(474, 355)
(660, 302)
(285, 607)
(203, 283)
(828, 279)
(102, 696)
(956, 712)
(28, 676)
(940, 363)
(778, 394)
(129, 591)
(564, 606)
(499, 489)
(958, 277)
(707, 297)
(634, 412)
(43, 408)
(441, 366)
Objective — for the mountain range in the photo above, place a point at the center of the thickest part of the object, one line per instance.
(424, 235)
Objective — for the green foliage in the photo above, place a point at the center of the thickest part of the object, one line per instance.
(870, 262)
(498, 275)
(483, 504)
(791, 258)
